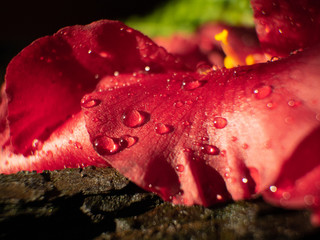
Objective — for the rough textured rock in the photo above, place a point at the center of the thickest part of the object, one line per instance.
(99, 203)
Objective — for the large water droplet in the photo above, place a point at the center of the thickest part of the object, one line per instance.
(128, 140)
(134, 118)
(220, 122)
(161, 128)
(210, 149)
(89, 102)
(262, 91)
(203, 68)
(191, 84)
(106, 145)
(180, 168)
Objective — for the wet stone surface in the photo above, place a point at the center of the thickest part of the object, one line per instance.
(99, 203)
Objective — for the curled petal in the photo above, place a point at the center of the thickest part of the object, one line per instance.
(284, 26)
(47, 80)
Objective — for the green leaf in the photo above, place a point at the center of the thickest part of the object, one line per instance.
(187, 15)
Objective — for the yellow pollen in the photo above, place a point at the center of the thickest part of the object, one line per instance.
(222, 36)
(250, 59)
(229, 62)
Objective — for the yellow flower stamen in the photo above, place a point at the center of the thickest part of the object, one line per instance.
(222, 36)
(250, 59)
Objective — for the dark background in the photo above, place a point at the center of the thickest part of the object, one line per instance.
(21, 22)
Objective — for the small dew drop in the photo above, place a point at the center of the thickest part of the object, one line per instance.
(161, 128)
(89, 51)
(78, 145)
(133, 118)
(219, 197)
(220, 122)
(245, 180)
(210, 149)
(180, 168)
(88, 102)
(270, 105)
(106, 145)
(190, 84)
(309, 200)
(262, 91)
(147, 68)
(245, 146)
(129, 140)
(293, 103)
(223, 153)
(286, 195)
(178, 104)
(273, 188)
(116, 73)
(186, 123)
(274, 58)
(37, 144)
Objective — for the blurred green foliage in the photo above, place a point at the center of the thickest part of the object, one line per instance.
(186, 15)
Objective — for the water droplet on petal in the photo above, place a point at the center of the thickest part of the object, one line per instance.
(191, 84)
(106, 145)
(161, 128)
(245, 146)
(147, 68)
(203, 68)
(245, 180)
(210, 149)
(78, 145)
(309, 200)
(37, 144)
(180, 168)
(129, 140)
(273, 188)
(178, 104)
(262, 91)
(293, 103)
(274, 58)
(134, 118)
(88, 102)
(220, 122)
(219, 197)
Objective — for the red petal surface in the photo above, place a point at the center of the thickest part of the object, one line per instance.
(284, 26)
(199, 138)
(187, 48)
(68, 147)
(46, 81)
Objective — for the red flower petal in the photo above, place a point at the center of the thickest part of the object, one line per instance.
(67, 147)
(200, 137)
(284, 26)
(46, 81)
